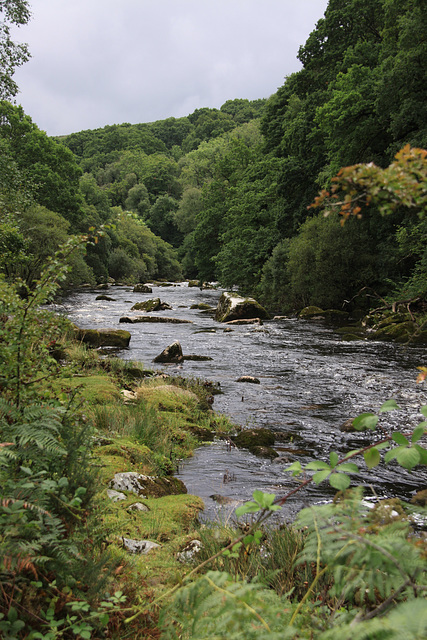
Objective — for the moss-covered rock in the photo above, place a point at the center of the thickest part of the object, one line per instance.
(155, 304)
(202, 306)
(250, 379)
(172, 353)
(309, 312)
(103, 337)
(231, 306)
(264, 452)
(394, 332)
(95, 389)
(254, 439)
(106, 298)
(160, 319)
(142, 288)
(167, 397)
(147, 486)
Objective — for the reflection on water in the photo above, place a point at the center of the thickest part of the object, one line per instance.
(310, 383)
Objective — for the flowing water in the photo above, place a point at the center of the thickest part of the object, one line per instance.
(311, 381)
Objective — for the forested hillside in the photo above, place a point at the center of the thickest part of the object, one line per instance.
(223, 194)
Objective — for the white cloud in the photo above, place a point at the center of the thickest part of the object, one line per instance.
(98, 62)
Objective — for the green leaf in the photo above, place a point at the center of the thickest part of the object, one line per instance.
(372, 457)
(248, 507)
(268, 499)
(321, 475)
(423, 410)
(295, 467)
(390, 405)
(349, 467)
(390, 455)
(418, 433)
(408, 457)
(422, 452)
(333, 458)
(365, 421)
(339, 481)
(258, 496)
(317, 464)
(399, 438)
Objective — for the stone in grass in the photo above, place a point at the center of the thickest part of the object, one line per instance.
(138, 506)
(190, 551)
(139, 546)
(115, 496)
(147, 486)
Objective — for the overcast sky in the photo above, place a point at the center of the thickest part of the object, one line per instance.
(99, 62)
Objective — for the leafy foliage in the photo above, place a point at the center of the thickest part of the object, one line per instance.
(12, 55)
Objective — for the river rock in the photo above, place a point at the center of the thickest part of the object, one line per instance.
(136, 319)
(311, 312)
(155, 304)
(196, 357)
(106, 298)
(231, 306)
(172, 353)
(264, 452)
(250, 379)
(103, 337)
(245, 321)
(252, 438)
(395, 332)
(202, 306)
(142, 288)
(147, 486)
(139, 546)
(224, 499)
(194, 283)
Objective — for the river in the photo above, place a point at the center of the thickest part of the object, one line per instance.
(311, 381)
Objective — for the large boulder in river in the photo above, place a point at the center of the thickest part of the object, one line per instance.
(231, 306)
(172, 353)
(103, 337)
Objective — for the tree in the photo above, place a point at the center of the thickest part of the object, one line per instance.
(12, 54)
(48, 167)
